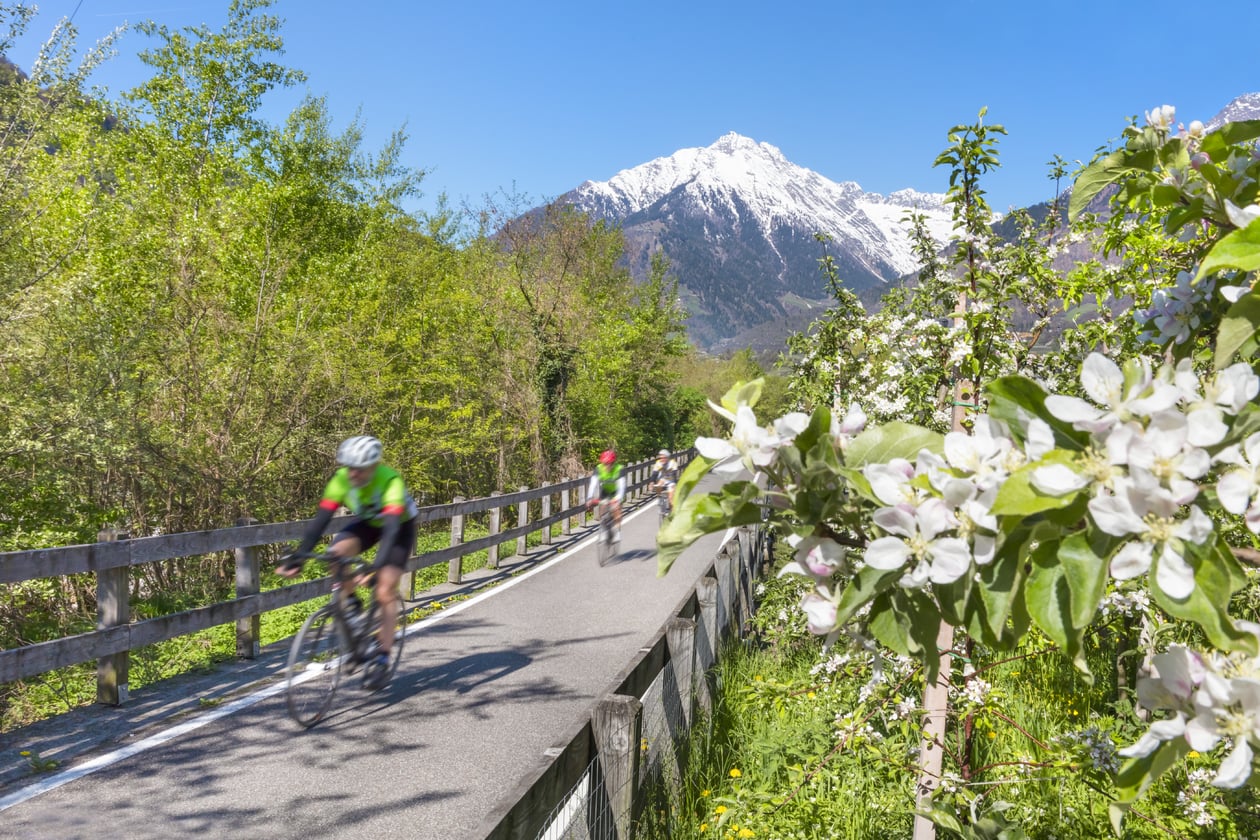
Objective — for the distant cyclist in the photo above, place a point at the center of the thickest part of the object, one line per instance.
(665, 475)
(385, 516)
(608, 483)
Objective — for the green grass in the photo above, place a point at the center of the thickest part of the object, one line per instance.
(806, 744)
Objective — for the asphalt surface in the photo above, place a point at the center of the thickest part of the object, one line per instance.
(483, 690)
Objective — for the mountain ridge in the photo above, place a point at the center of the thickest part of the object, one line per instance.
(737, 221)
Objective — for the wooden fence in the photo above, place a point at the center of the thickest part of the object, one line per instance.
(112, 558)
(593, 784)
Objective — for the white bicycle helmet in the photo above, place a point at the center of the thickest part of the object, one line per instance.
(359, 451)
(664, 453)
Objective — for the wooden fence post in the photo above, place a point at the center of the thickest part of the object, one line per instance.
(492, 553)
(565, 524)
(455, 572)
(706, 652)
(680, 636)
(544, 515)
(618, 727)
(581, 496)
(248, 629)
(522, 518)
(113, 609)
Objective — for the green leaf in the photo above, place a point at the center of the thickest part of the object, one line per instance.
(1239, 249)
(1013, 398)
(881, 444)
(1137, 774)
(1001, 582)
(1048, 596)
(742, 393)
(1217, 144)
(819, 429)
(889, 627)
(1217, 577)
(1097, 177)
(1238, 330)
(863, 588)
(1086, 575)
(1018, 497)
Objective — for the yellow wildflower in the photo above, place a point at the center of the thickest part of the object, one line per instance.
(704, 792)
(721, 809)
(745, 832)
(735, 774)
(1192, 754)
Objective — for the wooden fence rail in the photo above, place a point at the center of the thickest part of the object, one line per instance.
(112, 557)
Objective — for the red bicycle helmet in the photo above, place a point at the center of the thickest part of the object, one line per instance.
(607, 456)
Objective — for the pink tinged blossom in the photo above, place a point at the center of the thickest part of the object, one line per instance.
(790, 425)
(1104, 383)
(1237, 717)
(1175, 677)
(816, 557)
(1164, 450)
(939, 559)
(1161, 118)
(853, 423)
(748, 440)
(820, 613)
(891, 482)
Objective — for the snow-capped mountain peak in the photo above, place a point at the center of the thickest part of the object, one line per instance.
(753, 180)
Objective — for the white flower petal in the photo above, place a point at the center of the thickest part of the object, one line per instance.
(1236, 768)
(1175, 576)
(1133, 559)
(887, 553)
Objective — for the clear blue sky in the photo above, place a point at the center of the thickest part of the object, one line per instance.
(537, 97)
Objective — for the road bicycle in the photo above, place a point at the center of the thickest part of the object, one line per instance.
(339, 635)
(605, 545)
(663, 506)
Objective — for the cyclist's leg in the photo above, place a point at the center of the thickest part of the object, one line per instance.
(387, 578)
(348, 542)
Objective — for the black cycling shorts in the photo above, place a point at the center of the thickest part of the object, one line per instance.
(369, 535)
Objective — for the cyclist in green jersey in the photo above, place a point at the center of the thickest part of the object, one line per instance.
(608, 483)
(385, 516)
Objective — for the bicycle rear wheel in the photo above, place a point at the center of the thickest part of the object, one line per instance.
(314, 668)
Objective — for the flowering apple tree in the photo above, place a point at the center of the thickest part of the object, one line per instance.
(1140, 475)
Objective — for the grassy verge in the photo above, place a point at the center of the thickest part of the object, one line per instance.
(805, 743)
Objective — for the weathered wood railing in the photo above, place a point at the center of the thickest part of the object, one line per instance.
(592, 783)
(112, 558)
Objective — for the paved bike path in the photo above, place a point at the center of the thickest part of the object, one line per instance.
(483, 690)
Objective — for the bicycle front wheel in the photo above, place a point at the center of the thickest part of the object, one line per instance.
(314, 668)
